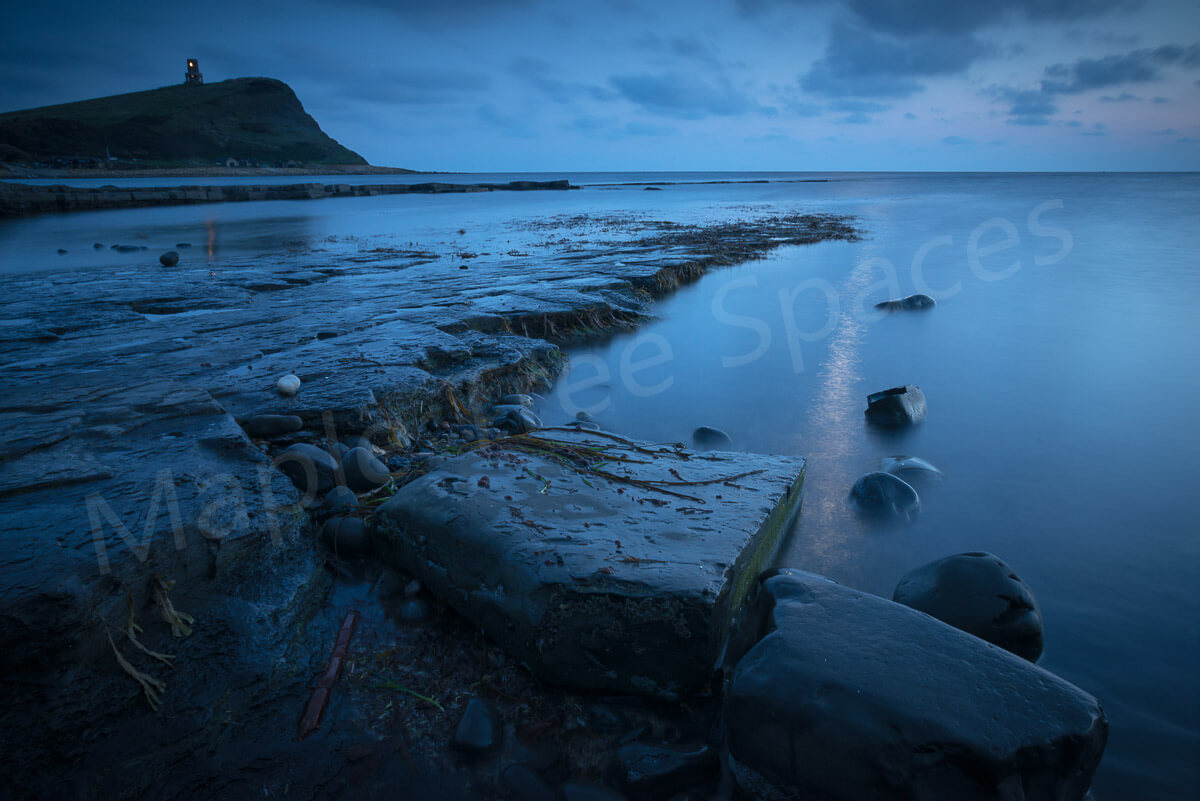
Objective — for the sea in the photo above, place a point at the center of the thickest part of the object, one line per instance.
(1061, 367)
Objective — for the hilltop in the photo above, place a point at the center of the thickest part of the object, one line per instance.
(257, 120)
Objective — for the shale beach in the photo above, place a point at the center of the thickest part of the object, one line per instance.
(555, 499)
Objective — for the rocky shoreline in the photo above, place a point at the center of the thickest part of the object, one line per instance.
(25, 199)
(134, 500)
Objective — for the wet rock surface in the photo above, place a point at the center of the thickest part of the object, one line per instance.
(707, 438)
(123, 459)
(618, 581)
(650, 771)
(850, 696)
(910, 303)
(478, 731)
(897, 407)
(980, 594)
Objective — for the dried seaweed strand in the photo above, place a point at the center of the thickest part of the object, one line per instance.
(152, 688)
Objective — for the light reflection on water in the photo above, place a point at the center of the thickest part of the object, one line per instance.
(1061, 408)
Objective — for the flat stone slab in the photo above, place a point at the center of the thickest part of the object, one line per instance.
(599, 582)
(850, 697)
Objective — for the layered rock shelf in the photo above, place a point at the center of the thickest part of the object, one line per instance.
(23, 199)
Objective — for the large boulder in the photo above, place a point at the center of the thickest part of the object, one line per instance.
(624, 577)
(896, 407)
(980, 594)
(850, 697)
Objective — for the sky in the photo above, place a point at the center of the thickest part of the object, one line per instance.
(538, 85)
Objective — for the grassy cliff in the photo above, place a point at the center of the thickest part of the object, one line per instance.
(182, 125)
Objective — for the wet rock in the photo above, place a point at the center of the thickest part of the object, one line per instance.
(896, 407)
(182, 245)
(127, 248)
(347, 537)
(61, 251)
(850, 697)
(97, 246)
(478, 730)
(414, 610)
(583, 425)
(265, 426)
(651, 188)
(909, 468)
(577, 791)
(340, 499)
(525, 784)
(583, 417)
(288, 385)
(638, 609)
(649, 771)
(516, 399)
(981, 595)
(310, 468)
(169, 259)
(911, 303)
(706, 438)
(412, 589)
(885, 494)
(524, 420)
(468, 432)
(363, 471)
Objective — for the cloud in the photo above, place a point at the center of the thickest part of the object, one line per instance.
(1165, 132)
(686, 96)
(1124, 97)
(540, 74)
(957, 140)
(857, 118)
(416, 86)
(612, 128)
(908, 115)
(1161, 100)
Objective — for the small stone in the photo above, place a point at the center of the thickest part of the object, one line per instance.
(909, 468)
(645, 770)
(127, 248)
(883, 493)
(706, 438)
(181, 245)
(340, 499)
(896, 407)
(583, 417)
(326, 334)
(468, 432)
(412, 589)
(265, 426)
(525, 785)
(288, 385)
(363, 471)
(524, 420)
(62, 251)
(477, 731)
(347, 537)
(97, 246)
(977, 593)
(310, 468)
(516, 399)
(169, 259)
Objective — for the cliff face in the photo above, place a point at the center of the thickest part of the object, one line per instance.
(244, 118)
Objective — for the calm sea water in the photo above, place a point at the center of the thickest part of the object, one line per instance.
(1060, 366)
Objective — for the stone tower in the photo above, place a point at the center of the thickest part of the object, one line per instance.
(193, 72)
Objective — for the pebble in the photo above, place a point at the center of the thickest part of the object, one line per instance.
(288, 385)
(265, 426)
(516, 399)
(477, 732)
(310, 468)
(525, 785)
(347, 537)
(181, 245)
(169, 259)
(707, 438)
(645, 770)
(340, 499)
(62, 251)
(363, 471)
(97, 246)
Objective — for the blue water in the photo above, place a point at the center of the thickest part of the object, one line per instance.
(1060, 367)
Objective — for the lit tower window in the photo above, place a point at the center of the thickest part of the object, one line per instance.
(193, 72)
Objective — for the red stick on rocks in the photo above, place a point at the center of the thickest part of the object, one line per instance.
(315, 707)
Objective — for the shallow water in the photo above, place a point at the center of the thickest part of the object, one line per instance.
(1060, 373)
(1061, 378)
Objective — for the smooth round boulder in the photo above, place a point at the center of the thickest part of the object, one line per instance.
(363, 471)
(896, 407)
(169, 259)
(347, 537)
(340, 499)
(707, 438)
(909, 468)
(310, 468)
(885, 494)
(288, 385)
(978, 593)
(265, 426)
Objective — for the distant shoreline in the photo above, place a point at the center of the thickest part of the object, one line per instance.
(11, 172)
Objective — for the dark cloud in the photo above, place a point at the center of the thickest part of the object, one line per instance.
(458, 13)
(417, 86)
(686, 96)
(1138, 66)
(852, 104)
(1124, 97)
